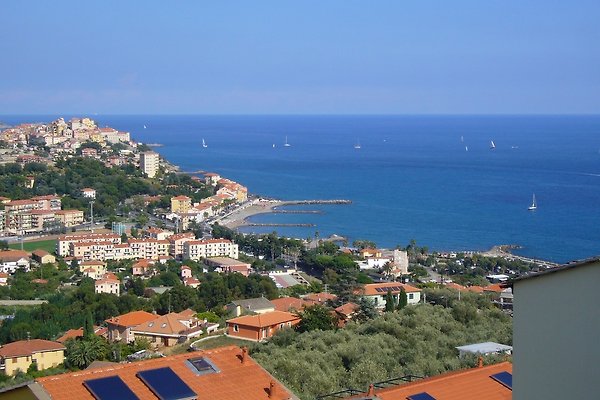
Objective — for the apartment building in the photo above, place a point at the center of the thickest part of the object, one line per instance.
(199, 249)
(149, 163)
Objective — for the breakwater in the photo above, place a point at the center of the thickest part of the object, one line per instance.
(301, 202)
(282, 225)
(275, 211)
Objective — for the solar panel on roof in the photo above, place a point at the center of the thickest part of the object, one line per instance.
(421, 396)
(504, 378)
(111, 387)
(379, 289)
(166, 385)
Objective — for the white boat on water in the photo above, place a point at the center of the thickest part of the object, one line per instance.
(286, 144)
(204, 143)
(533, 205)
(466, 148)
(144, 126)
(492, 144)
(357, 144)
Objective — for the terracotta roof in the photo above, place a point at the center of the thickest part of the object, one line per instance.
(181, 198)
(470, 384)
(91, 263)
(164, 325)
(321, 297)
(475, 289)
(207, 241)
(28, 347)
(12, 255)
(497, 288)
(264, 320)
(289, 303)
(370, 288)
(70, 334)
(40, 253)
(132, 318)
(347, 309)
(235, 380)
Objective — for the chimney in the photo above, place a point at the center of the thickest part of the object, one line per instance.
(480, 362)
(272, 389)
(371, 391)
(244, 354)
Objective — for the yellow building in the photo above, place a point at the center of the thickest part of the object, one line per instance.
(20, 355)
(180, 204)
(70, 217)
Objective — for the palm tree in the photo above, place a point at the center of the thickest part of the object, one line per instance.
(81, 353)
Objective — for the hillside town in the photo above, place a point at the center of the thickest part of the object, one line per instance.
(151, 282)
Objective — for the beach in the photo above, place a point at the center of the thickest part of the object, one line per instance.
(239, 216)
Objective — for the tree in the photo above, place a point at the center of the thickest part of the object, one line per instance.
(364, 244)
(316, 317)
(402, 299)
(81, 353)
(3, 245)
(88, 328)
(390, 302)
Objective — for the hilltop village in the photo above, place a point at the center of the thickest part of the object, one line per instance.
(116, 265)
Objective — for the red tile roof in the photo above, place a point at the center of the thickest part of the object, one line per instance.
(235, 380)
(132, 318)
(263, 320)
(28, 347)
(289, 303)
(12, 255)
(320, 297)
(370, 289)
(470, 384)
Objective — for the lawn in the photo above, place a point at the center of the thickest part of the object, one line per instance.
(48, 245)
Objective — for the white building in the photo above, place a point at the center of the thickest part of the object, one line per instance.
(109, 283)
(377, 293)
(88, 193)
(11, 260)
(198, 249)
(149, 163)
(556, 322)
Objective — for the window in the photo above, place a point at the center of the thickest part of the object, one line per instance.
(281, 326)
(236, 328)
(411, 296)
(202, 365)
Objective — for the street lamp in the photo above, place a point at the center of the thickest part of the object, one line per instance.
(92, 216)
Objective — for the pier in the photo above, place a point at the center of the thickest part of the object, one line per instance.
(275, 211)
(283, 225)
(300, 202)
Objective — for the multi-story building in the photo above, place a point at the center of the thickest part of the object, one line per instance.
(149, 248)
(180, 204)
(149, 163)
(11, 260)
(176, 243)
(198, 249)
(108, 283)
(377, 293)
(70, 218)
(63, 243)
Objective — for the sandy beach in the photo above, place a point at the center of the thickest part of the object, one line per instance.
(259, 206)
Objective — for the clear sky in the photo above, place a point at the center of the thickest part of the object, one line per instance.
(299, 57)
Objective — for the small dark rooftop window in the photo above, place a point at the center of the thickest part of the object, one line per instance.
(202, 365)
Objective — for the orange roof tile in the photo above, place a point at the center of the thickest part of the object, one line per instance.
(167, 325)
(320, 297)
(289, 303)
(70, 334)
(12, 255)
(470, 384)
(347, 309)
(132, 318)
(28, 347)
(264, 320)
(236, 380)
(493, 288)
(370, 289)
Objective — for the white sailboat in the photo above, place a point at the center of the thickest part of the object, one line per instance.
(204, 143)
(533, 205)
(286, 144)
(357, 144)
(144, 126)
(466, 148)
(492, 145)
(273, 145)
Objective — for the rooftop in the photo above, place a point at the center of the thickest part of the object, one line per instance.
(28, 347)
(469, 384)
(132, 318)
(370, 289)
(259, 303)
(264, 320)
(233, 379)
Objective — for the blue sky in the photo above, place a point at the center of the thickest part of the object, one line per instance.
(302, 57)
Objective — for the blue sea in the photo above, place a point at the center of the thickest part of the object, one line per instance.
(412, 178)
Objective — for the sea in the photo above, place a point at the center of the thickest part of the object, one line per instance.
(433, 179)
